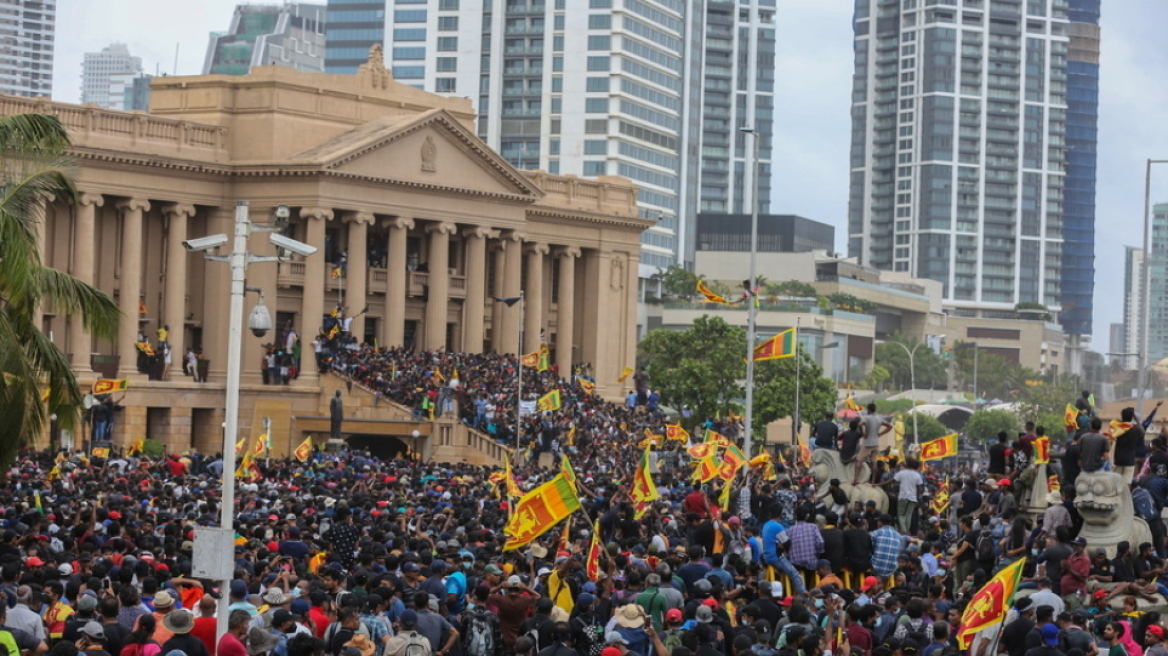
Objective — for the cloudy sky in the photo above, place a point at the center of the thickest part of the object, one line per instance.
(813, 85)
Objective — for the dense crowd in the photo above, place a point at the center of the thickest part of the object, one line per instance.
(350, 555)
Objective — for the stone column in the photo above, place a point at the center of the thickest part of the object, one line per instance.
(357, 273)
(175, 291)
(499, 254)
(84, 252)
(512, 272)
(395, 293)
(130, 285)
(438, 292)
(566, 309)
(476, 289)
(312, 303)
(533, 297)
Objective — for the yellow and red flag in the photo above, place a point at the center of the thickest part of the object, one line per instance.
(676, 433)
(542, 363)
(625, 373)
(702, 451)
(734, 456)
(592, 564)
(587, 386)
(304, 451)
(990, 604)
(1042, 450)
(851, 404)
(708, 468)
(644, 490)
(711, 296)
(261, 444)
(572, 435)
(137, 447)
(509, 478)
(239, 445)
(1053, 484)
(651, 441)
(941, 499)
(540, 510)
(779, 346)
(107, 385)
(100, 452)
(530, 360)
(1117, 428)
(549, 401)
(942, 447)
(804, 452)
(568, 470)
(717, 439)
(1071, 417)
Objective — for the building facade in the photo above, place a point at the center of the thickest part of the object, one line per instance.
(1078, 272)
(1133, 285)
(26, 47)
(777, 233)
(107, 77)
(291, 34)
(651, 90)
(958, 157)
(433, 222)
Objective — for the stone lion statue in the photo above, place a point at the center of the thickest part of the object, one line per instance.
(826, 465)
(1108, 514)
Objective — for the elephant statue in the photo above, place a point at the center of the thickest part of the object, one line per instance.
(826, 465)
(1105, 503)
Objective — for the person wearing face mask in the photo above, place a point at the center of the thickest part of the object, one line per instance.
(456, 590)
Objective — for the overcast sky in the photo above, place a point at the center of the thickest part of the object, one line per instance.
(812, 107)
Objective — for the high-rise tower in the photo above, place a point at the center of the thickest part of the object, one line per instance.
(26, 47)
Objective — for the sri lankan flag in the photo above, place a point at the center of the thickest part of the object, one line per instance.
(549, 401)
(530, 360)
(592, 565)
(587, 386)
(651, 441)
(711, 296)
(262, 443)
(239, 445)
(304, 451)
(676, 433)
(942, 447)
(644, 489)
(137, 446)
(509, 478)
(702, 451)
(851, 404)
(941, 498)
(542, 363)
(779, 346)
(100, 452)
(107, 385)
(990, 604)
(717, 439)
(540, 510)
(708, 468)
(625, 373)
(572, 435)
(568, 470)
(732, 460)
(1117, 428)
(1042, 451)
(1071, 417)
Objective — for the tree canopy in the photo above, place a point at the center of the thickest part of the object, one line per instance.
(930, 369)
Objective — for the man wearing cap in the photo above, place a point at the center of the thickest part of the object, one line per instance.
(1076, 570)
(180, 623)
(1154, 641)
(408, 642)
(92, 642)
(1050, 643)
(1014, 634)
(86, 613)
(511, 601)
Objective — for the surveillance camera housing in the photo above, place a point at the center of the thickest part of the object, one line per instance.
(291, 245)
(203, 244)
(282, 212)
(259, 322)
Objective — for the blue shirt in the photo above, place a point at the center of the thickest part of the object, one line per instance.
(456, 585)
(755, 548)
(886, 544)
(770, 541)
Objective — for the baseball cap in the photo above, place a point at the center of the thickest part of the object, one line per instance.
(408, 618)
(1156, 630)
(1050, 634)
(823, 563)
(704, 614)
(869, 583)
(673, 615)
(610, 651)
(514, 582)
(1099, 594)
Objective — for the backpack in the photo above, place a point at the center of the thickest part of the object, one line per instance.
(417, 645)
(591, 642)
(478, 634)
(985, 545)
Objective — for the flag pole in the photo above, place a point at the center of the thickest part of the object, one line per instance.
(748, 418)
(519, 377)
(798, 370)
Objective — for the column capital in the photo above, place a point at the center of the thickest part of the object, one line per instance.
(568, 251)
(441, 228)
(479, 232)
(90, 198)
(134, 204)
(535, 248)
(512, 235)
(178, 208)
(359, 217)
(399, 222)
(316, 213)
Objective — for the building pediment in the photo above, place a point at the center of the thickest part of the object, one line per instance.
(431, 149)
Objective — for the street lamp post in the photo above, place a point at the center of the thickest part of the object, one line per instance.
(239, 259)
(510, 301)
(912, 378)
(750, 300)
(1145, 293)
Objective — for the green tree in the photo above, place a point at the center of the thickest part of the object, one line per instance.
(677, 281)
(774, 391)
(995, 376)
(876, 378)
(34, 168)
(930, 369)
(984, 425)
(850, 303)
(929, 426)
(893, 406)
(791, 288)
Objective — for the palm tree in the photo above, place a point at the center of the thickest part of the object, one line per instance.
(35, 170)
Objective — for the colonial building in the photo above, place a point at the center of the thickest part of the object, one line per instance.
(432, 223)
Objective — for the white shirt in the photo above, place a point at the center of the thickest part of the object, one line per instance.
(909, 480)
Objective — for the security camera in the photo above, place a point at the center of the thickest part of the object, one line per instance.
(282, 212)
(259, 322)
(288, 244)
(204, 244)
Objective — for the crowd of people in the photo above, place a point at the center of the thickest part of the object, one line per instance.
(351, 555)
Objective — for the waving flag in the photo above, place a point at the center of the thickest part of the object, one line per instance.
(851, 404)
(509, 478)
(592, 565)
(549, 401)
(702, 451)
(708, 468)
(572, 435)
(625, 373)
(542, 363)
(568, 470)
(1117, 428)
(942, 447)
(676, 433)
(644, 489)
(1042, 451)
(1071, 417)
(780, 346)
(587, 386)
(530, 360)
(711, 296)
(540, 510)
(304, 451)
(990, 604)
(941, 498)
(107, 385)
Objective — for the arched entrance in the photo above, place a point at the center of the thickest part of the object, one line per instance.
(379, 446)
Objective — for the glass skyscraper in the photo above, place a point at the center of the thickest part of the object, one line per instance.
(352, 27)
(958, 162)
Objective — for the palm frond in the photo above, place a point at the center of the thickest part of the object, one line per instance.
(41, 134)
(68, 295)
